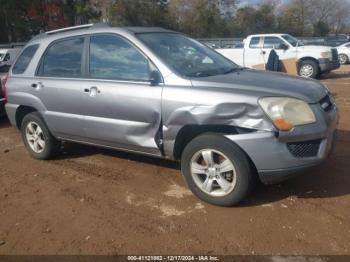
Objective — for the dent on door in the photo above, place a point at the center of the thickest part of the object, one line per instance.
(125, 116)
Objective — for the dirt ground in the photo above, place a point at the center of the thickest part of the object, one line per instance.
(97, 201)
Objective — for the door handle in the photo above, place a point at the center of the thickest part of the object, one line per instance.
(93, 91)
(38, 85)
(263, 52)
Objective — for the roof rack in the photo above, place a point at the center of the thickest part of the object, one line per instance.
(75, 28)
(68, 29)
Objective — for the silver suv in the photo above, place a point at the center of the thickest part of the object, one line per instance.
(160, 93)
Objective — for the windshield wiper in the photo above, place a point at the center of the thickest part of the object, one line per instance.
(233, 69)
(200, 74)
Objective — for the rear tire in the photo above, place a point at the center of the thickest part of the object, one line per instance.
(216, 170)
(308, 69)
(343, 59)
(37, 138)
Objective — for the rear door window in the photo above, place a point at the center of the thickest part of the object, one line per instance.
(24, 59)
(254, 42)
(63, 59)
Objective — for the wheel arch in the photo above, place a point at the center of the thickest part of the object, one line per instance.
(21, 112)
(306, 58)
(189, 132)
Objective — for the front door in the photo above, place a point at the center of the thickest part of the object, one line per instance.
(124, 110)
(276, 43)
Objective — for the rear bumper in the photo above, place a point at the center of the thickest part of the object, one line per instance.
(273, 158)
(326, 65)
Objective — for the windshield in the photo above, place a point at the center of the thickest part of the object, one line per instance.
(292, 40)
(187, 56)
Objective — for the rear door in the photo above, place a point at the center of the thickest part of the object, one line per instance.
(124, 110)
(58, 86)
(253, 55)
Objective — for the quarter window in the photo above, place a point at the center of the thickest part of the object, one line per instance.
(254, 42)
(24, 59)
(63, 59)
(112, 57)
(7, 57)
(272, 42)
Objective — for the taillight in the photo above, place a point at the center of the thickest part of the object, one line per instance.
(3, 87)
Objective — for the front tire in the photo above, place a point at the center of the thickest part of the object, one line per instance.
(216, 170)
(37, 138)
(343, 59)
(308, 69)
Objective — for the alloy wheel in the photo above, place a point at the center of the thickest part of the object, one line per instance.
(306, 70)
(35, 137)
(213, 172)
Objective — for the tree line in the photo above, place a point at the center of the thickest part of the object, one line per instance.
(21, 19)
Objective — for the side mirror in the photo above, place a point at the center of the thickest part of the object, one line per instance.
(283, 47)
(155, 78)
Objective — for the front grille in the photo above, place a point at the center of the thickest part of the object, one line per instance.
(304, 149)
(326, 103)
(335, 54)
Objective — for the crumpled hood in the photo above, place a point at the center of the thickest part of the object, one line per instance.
(263, 83)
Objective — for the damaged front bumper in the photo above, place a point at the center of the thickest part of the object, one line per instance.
(278, 156)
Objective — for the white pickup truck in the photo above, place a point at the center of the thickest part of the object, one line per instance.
(7, 57)
(311, 61)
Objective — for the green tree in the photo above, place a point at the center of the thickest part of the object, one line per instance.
(252, 20)
(321, 29)
(244, 22)
(79, 11)
(199, 18)
(294, 18)
(138, 13)
(15, 24)
(265, 19)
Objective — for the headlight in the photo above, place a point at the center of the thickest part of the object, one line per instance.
(326, 55)
(286, 113)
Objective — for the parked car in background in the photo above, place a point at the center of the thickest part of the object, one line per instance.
(157, 92)
(312, 61)
(336, 39)
(211, 45)
(344, 53)
(238, 45)
(7, 56)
